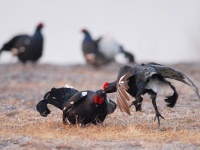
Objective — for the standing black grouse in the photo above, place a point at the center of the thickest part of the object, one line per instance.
(146, 78)
(81, 107)
(25, 47)
(104, 50)
(91, 52)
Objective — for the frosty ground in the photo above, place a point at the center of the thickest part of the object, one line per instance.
(23, 128)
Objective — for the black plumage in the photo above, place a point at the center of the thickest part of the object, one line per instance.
(26, 47)
(104, 50)
(91, 51)
(81, 107)
(146, 78)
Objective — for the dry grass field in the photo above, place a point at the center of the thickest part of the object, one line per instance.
(21, 126)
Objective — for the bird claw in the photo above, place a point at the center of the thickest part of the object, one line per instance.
(137, 106)
(157, 116)
(133, 103)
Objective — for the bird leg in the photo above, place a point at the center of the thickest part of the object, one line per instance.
(138, 106)
(138, 98)
(158, 115)
(80, 122)
(64, 118)
(171, 99)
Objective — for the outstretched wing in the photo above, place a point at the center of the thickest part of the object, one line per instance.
(122, 87)
(168, 72)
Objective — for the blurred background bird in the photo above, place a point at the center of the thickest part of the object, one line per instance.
(91, 51)
(104, 50)
(162, 29)
(26, 47)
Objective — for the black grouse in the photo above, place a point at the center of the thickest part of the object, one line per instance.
(104, 50)
(91, 51)
(146, 78)
(25, 47)
(79, 107)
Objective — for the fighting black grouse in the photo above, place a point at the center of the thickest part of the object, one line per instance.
(146, 78)
(79, 107)
(25, 47)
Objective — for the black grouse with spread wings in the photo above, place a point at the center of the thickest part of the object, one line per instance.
(146, 78)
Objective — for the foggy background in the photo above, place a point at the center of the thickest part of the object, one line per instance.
(153, 30)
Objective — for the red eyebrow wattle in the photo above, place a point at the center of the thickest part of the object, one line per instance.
(96, 99)
(105, 85)
(101, 100)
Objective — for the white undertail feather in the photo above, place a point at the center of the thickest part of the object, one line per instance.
(84, 93)
(108, 46)
(157, 86)
(121, 58)
(68, 86)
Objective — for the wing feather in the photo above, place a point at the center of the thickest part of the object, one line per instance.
(123, 94)
(123, 105)
(122, 87)
(119, 103)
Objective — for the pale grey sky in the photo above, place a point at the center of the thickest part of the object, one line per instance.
(154, 30)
